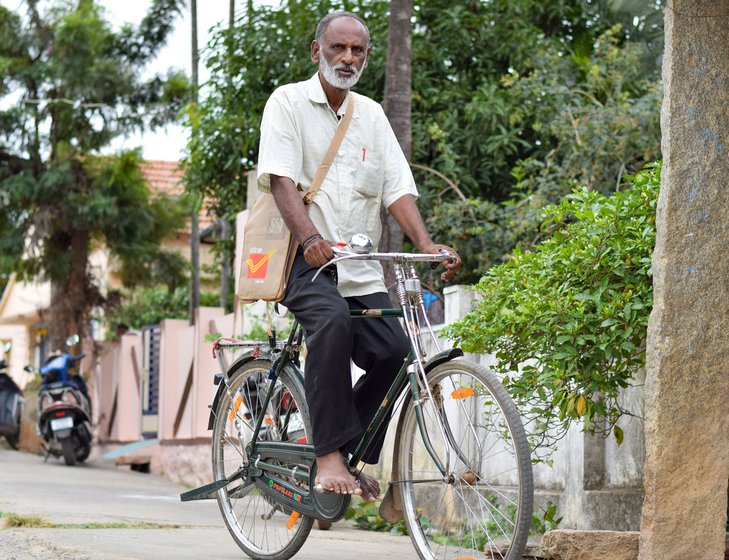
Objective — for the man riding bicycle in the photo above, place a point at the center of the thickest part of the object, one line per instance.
(370, 171)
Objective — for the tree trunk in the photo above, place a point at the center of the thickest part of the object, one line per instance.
(397, 108)
(72, 295)
(194, 229)
(225, 233)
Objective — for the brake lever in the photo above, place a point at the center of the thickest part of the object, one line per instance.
(446, 254)
(339, 254)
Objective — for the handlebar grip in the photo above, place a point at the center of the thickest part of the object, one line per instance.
(446, 255)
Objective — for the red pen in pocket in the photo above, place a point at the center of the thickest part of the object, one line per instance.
(364, 152)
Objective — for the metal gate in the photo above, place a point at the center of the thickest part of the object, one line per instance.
(150, 391)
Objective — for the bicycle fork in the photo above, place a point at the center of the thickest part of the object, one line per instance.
(410, 296)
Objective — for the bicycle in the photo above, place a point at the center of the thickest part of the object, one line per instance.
(463, 466)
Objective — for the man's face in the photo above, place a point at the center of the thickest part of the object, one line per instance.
(343, 52)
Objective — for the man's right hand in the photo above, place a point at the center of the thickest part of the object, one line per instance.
(318, 253)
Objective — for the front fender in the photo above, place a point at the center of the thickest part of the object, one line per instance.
(439, 358)
(391, 506)
(442, 357)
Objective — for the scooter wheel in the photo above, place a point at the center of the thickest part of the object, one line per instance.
(69, 454)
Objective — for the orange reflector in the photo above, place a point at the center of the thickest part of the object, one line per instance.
(292, 520)
(268, 420)
(236, 406)
(462, 393)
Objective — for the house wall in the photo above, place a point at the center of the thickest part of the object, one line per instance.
(21, 309)
(19, 336)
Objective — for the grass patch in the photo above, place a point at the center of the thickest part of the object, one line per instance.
(14, 520)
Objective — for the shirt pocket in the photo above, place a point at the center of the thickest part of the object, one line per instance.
(366, 194)
(369, 174)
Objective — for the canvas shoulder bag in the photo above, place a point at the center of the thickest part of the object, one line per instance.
(269, 247)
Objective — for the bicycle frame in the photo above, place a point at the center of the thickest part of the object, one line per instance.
(461, 467)
(260, 457)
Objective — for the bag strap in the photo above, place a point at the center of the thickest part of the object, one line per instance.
(333, 147)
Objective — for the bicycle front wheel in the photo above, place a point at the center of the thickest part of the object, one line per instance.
(471, 495)
(262, 528)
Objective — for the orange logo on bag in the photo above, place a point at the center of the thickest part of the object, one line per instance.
(257, 264)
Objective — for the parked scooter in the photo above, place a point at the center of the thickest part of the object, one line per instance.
(64, 407)
(11, 403)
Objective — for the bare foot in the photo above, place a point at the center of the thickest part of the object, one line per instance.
(370, 487)
(334, 476)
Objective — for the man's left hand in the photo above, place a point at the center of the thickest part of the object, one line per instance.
(452, 264)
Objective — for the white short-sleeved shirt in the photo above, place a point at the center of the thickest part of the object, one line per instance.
(369, 170)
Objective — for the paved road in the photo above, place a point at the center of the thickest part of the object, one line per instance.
(98, 492)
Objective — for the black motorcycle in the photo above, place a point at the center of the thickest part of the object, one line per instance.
(64, 408)
(11, 404)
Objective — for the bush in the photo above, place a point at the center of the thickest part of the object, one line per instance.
(148, 306)
(567, 322)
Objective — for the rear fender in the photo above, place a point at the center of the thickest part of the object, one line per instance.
(218, 380)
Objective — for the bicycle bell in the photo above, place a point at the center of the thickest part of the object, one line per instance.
(360, 243)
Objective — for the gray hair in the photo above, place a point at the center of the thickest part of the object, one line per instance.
(324, 22)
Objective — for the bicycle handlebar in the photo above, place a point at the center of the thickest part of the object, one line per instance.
(342, 254)
(397, 257)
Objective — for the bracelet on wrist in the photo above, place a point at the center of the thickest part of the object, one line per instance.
(310, 240)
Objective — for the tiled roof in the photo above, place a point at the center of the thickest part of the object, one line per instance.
(167, 177)
(163, 176)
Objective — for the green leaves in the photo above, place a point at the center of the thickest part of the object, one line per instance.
(69, 84)
(505, 104)
(567, 322)
(366, 516)
(151, 305)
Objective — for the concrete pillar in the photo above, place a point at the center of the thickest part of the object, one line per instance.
(458, 303)
(128, 423)
(176, 357)
(687, 386)
(205, 367)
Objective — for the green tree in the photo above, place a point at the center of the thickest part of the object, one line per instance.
(597, 115)
(555, 95)
(567, 322)
(475, 119)
(69, 85)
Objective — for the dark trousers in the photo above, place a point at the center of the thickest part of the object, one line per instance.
(339, 412)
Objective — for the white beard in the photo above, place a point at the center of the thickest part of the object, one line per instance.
(335, 80)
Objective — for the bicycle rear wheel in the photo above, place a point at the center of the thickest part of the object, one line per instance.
(482, 507)
(262, 529)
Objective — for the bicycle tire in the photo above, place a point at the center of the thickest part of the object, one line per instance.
(261, 528)
(483, 508)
